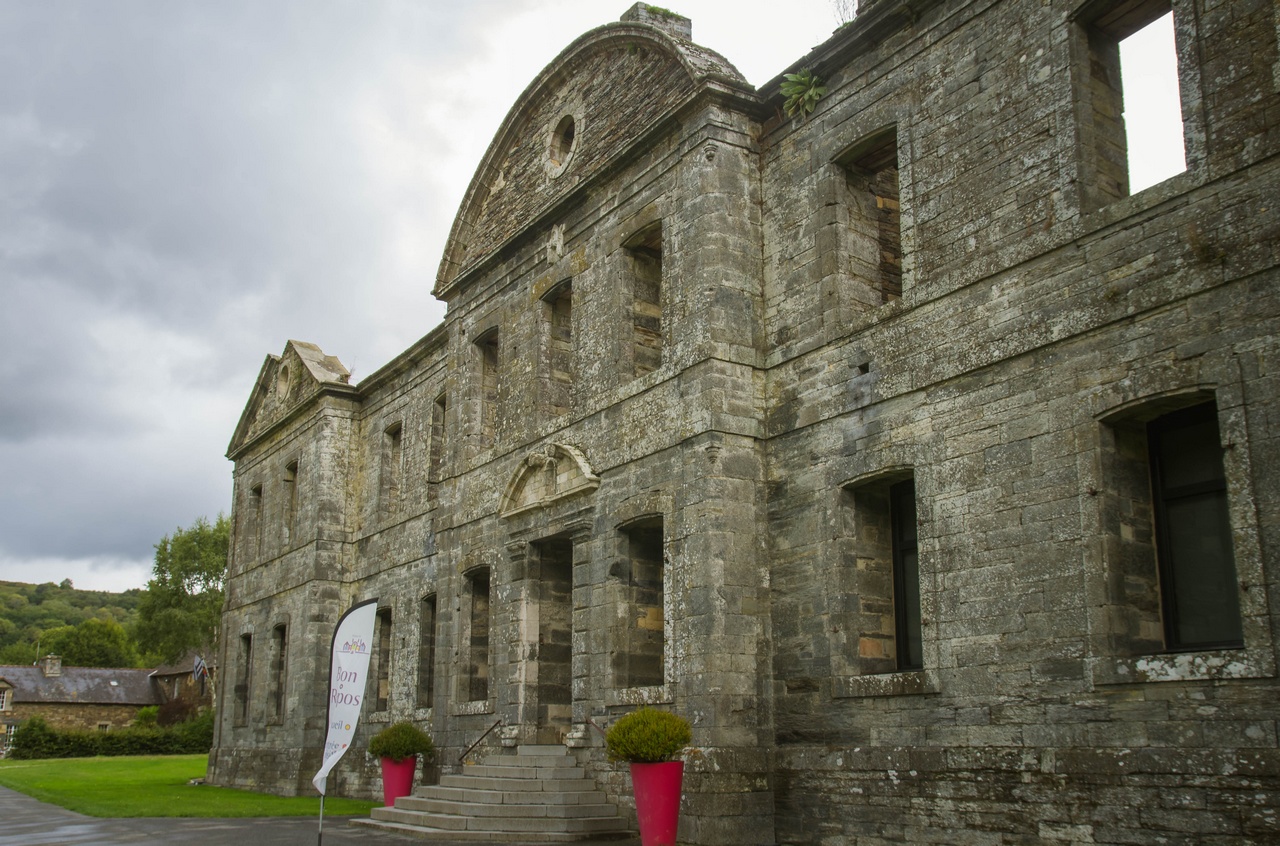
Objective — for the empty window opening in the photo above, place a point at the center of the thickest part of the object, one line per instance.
(478, 639)
(1172, 576)
(436, 459)
(290, 482)
(1132, 131)
(1152, 104)
(558, 306)
(875, 218)
(279, 664)
(906, 576)
(392, 467)
(562, 141)
(426, 651)
(644, 256)
(881, 578)
(487, 347)
(640, 663)
(253, 531)
(243, 679)
(381, 673)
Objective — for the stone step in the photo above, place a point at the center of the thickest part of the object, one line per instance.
(512, 825)
(505, 771)
(523, 760)
(489, 837)
(538, 795)
(509, 797)
(462, 808)
(535, 785)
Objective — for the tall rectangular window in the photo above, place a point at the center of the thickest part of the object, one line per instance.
(436, 458)
(640, 661)
(906, 576)
(478, 637)
(1130, 99)
(487, 348)
(253, 529)
(391, 468)
(644, 255)
(290, 482)
(243, 679)
(1198, 586)
(879, 608)
(279, 665)
(874, 214)
(426, 651)
(558, 306)
(382, 672)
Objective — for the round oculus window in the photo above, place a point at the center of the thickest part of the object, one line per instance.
(562, 141)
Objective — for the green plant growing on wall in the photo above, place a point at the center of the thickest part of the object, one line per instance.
(647, 736)
(803, 90)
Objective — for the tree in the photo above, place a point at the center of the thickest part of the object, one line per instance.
(182, 607)
(93, 643)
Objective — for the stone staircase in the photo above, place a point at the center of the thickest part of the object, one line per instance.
(539, 795)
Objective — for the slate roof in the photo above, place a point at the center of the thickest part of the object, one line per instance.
(89, 685)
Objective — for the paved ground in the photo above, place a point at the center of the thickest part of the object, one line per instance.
(26, 822)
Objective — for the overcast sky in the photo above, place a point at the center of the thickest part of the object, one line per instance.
(184, 186)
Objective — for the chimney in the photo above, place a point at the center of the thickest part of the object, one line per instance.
(52, 665)
(664, 19)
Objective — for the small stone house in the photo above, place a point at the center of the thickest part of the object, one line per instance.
(90, 698)
(930, 471)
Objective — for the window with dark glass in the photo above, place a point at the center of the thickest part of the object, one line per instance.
(1198, 590)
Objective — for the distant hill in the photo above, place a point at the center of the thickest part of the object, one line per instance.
(28, 612)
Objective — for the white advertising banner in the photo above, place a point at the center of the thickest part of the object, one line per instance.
(348, 672)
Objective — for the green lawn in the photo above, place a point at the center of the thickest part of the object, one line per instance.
(154, 786)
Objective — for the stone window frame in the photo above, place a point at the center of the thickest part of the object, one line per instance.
(462, 703)
(1148, 395)
(548, 300)
(254, 529)
(642, 508)
(557, 159)
(242, 692)
(844, 302)
(636, 246)
(382, 660)
(437, 459)
(424, 700)
(290, 507)
(1086, 45)
(279, 678)
(852, 677)
(486, 345)
(391, 466)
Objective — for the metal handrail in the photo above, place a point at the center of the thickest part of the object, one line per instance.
(464, 755)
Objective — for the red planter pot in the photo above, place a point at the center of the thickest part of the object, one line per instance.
(657, 790)
(397, 779)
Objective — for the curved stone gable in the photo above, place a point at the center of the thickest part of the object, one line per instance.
(615, 83)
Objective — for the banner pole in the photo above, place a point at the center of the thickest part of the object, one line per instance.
(320, 831)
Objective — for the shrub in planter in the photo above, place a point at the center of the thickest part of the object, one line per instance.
(399, 746)
(650, 739)
(400, 741)
(647, 736)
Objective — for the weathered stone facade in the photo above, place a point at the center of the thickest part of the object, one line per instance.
(854, 438)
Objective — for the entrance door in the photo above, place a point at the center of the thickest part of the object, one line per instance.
(555, 639)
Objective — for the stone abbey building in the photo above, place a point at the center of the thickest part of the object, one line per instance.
(929, 471)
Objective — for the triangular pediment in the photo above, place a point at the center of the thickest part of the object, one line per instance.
(285, 382)
(546, 475)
